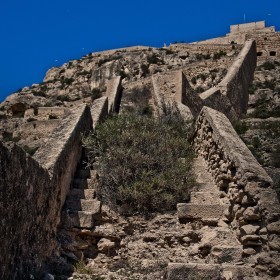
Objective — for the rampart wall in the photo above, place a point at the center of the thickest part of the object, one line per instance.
(253, 209)
(230, 96)
(33, 191)
(240, 75)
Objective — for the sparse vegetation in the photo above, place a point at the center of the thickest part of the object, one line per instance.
(266, 66)
(150, 172)
(219, 54)
(145, 70)
(154, 59)
(96, 93)
(63, 97)
(39, 93)
(199, 89)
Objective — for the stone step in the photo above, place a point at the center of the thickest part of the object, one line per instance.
(81, 193)
(226, 254)
(192, 271)
(195, 271)
(82, 173)
(204, 197)
(200, 211)
(90, 205)
(78, 219)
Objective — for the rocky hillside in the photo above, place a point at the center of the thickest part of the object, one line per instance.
(29, 115)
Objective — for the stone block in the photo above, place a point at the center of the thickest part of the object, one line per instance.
(200, 211)
(90, 205)
(82, 219)
(191, 271)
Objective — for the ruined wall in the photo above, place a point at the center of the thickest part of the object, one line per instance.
(253, 209)
(33, 191)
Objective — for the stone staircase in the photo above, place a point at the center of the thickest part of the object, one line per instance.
(82, 208)
(223, 254)
(194, 243)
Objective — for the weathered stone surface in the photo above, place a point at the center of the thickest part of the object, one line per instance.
(249, 229)
(176, 271)
(204, 197)
(274, 227)
(200, 211)
(104, 245)
(226, 254)
(251, 214)
(239, 272)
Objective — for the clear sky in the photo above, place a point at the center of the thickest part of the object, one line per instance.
(37, 35)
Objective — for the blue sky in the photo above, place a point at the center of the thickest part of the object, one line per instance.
(37, 35)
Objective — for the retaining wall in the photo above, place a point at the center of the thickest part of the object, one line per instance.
(253, 209)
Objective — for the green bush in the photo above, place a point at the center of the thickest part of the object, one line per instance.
(144, 163)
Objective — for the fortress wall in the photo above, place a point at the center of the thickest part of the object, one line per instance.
(33, 191)
(113, 93)
(253, 209)
(244, 27)
(239, 77)
(199, 47)
(214, 99)
(266, 43)
(62, 151)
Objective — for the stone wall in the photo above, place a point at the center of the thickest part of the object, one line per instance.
(234, 87)
(253, 209)
(33, 191)
(247, 26)
(239, 77)
(113, 93)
